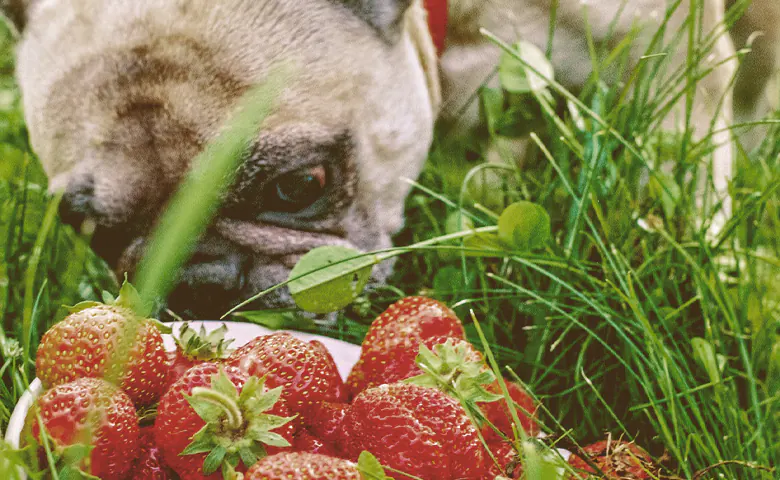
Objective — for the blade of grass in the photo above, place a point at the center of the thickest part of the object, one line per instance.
(196, 201)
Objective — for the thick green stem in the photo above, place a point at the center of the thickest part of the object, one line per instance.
(233, 416)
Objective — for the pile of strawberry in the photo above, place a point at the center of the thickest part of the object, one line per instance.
(420, 403)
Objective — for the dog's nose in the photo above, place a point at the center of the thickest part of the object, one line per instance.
(78, 204)
(207, 285)
(78, 200)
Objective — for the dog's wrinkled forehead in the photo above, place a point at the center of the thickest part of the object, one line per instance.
(118, 72)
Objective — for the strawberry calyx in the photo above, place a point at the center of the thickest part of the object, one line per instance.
(128, 299)
(237, 428)
(452, 368)
(199, 345)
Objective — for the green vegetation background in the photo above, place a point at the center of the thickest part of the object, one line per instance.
(629, 321)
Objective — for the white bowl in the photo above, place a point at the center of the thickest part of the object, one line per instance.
(344, 354)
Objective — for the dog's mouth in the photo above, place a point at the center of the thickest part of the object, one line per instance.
(232, 263)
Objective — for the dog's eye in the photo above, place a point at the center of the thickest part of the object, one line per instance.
(297, 190)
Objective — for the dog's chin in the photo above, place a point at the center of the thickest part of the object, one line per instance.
(219, 277)
(201, 298)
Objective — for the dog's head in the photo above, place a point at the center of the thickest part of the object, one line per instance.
(120, 96)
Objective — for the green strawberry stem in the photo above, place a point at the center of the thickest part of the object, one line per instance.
(233, 417)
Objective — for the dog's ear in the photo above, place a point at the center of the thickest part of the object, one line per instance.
(16, 11)
(384, 16)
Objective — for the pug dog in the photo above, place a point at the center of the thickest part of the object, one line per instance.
(120, 96)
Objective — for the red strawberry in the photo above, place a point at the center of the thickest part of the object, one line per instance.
(89, 411)
(196, 347)
(308, 443)
(417, 430)
(82, 345)
(617, 460)
(400, 328)
(215, 417)
(320, 347)
(149, 465)
(328, 424)
(499, 415)
(303, 466)
(309, 376)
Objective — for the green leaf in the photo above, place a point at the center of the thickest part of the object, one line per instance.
(449, 279)
(540, 463)
(228, 471)
(484, 245)
(369, 467)
(516, 77)
(208, 411)
(270, 422)
(202, 442)
(427, 358)
(524, 226)
(265, 401)
(71, 460)
(82, 306)
(664, 188)
(457, 222)
(773, 374)
(222, 384)
(269, 438)
(107, 297)
(252, 391)
(423, 380)
(130, 299)
(485, 378)
(705, 356)
(329, 289)
(213, 460)
(162, 327)
(69, 472)
(258, 449)
(492, 107)
(76, 454)
(247, 456)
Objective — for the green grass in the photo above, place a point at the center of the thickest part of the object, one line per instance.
(629, 321)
